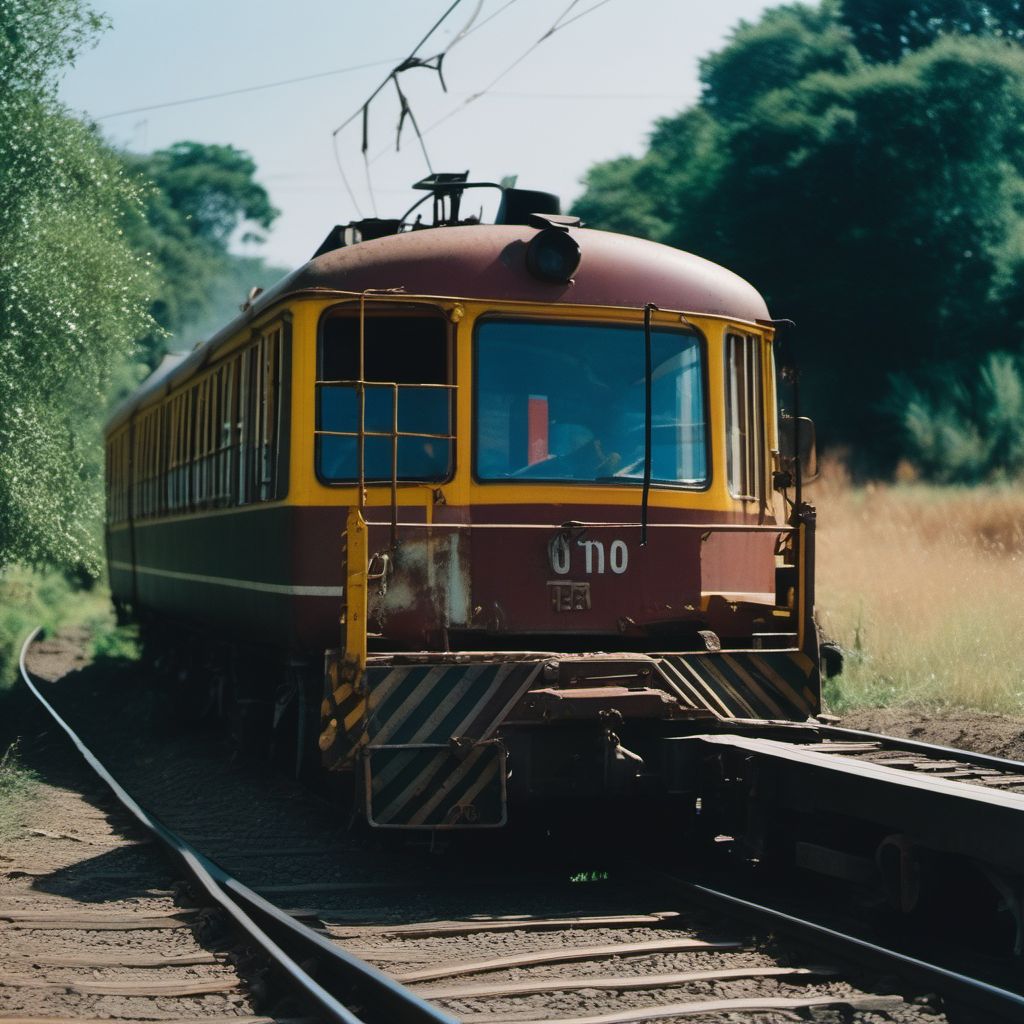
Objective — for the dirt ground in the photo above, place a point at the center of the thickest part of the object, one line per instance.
(90, 923)
(1001, 735)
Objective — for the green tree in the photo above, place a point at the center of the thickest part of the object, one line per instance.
(965, 429)
(212, 187)
(886, 30)
(198, 199)
(73, 294)
(787, 45)
(878, 204)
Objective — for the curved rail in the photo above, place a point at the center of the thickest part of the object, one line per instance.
(998, 1004)
(283, 940)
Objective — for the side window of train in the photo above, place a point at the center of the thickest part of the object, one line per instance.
(407, 418)
(744, 413)
(223, 439)
(146, 463)
(253, 420)
(177, 478)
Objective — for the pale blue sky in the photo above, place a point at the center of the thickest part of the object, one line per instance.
(589, 92)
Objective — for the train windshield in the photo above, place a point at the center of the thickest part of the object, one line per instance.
(565, 401)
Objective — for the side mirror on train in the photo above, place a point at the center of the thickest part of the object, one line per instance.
(794, 431)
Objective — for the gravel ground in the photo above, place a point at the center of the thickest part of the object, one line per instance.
(83, 899)
(296, 846)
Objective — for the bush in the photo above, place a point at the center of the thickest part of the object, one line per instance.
(50, 599)
(961, 428)
(16, 783)
(73, 293)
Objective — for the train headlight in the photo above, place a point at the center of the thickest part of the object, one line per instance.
(553, 255)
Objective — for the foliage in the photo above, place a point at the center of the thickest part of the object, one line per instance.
(787, 45)
(225, 292)
(72, 292)
(16, 783)
(879, 203)
(886, 30)
(966, 431)
(48, 598)
(90, 239)
(198, 198)
(212, 188)
(38, 38)
(117, 643)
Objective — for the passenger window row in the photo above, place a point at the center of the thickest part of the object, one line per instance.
(215, 442)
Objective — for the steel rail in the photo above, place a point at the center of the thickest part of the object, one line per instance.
(997, 1003)
(837, 732)
(1005, 764)
(281, 938)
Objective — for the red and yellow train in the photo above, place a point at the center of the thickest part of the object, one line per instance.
(481, 513)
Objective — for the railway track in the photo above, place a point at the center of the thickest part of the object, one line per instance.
(938, 831)
(389, 939)
(276, 937)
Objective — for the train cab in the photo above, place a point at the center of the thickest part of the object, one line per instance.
(520, 489)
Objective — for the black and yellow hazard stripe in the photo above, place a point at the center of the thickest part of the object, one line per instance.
(780, 685)
(431, 786)
(413, 704)
(342, 712)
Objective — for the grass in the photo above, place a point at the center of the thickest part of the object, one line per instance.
(115, 642)
(16, 786)
(29, 599)
(923, 587)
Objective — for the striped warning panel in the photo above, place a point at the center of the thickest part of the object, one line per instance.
(413, 704)
(431, 786)
(416, 703)
(781, 685)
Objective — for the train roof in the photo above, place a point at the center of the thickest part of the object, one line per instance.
(488, 262)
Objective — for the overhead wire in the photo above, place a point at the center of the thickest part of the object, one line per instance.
(558, 24)
(490, 17)
(405, 111)
(435, 63)
(466, 29)
(244, 89)
(404, 65)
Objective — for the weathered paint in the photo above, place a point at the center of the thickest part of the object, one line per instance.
(276, 575)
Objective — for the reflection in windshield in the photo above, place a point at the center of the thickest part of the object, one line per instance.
(559, 401)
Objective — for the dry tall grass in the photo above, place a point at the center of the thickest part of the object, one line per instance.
(924, 588)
